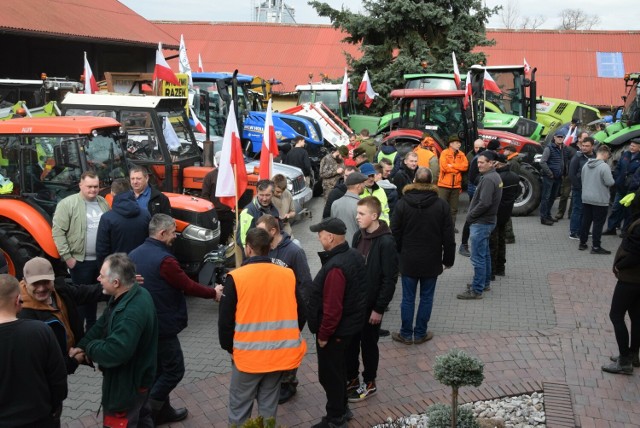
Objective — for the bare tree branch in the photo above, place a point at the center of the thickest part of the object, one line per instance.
(576, 19)
(510, 14)
(532, 22)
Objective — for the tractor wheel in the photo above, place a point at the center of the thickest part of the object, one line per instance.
(530, 192)
(17, 247)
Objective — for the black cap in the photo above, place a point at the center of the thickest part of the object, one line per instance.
(489, 155)
(331, 225)
(493, 145)
(500, 158)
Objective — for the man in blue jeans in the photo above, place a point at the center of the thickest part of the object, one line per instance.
(482, 218)
(423, 230)
(553, 165)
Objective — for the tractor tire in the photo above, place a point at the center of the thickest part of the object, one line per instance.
(530, 192)
(17, 247)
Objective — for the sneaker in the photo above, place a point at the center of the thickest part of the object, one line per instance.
(635, 361)
(582, 246)
(464, 250)
(599, 250)
(353, 385)
(469, 295)
(399, 338)
(611, 232)
(427, 337)
(365, 391)
(486, 287)
(620, 366)
(574, 236)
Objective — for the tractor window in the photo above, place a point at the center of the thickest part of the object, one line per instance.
(143, 142)
(94, 113)
(9, 170)
(177, 134)
(104, 156)
(304, 97)
(57, 161)
(330, 99)
(511, 84)
(438, 117)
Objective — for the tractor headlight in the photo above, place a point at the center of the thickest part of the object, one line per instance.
(198, 233)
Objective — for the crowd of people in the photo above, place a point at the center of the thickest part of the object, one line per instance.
(386, 215)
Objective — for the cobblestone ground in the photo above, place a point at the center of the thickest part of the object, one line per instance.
(547, 320)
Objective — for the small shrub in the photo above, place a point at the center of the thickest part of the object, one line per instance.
(456, 369)
(440, 417)
(258, 422)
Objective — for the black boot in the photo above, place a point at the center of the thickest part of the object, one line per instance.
(287, 391)
(168, 414)
(621, 366)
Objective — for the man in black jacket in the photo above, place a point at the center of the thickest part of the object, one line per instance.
(148, 198)
(299, 157)
(374, 241)
(423, 230)
(575, 173)
(406, 173)
(337, 192)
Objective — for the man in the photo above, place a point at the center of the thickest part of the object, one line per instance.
(34, 379)
(336, 312)
(596, 180)
(427, 156)
(371, 188)
(424, 236)
(374, 241)
(552, 165)
(389, 188)
(565, 188)
(575, 175)
(123, 228)
(628, 164)
(168, 284)
(285, 252)
(75, 233)
(482, 217)
(57, 306)
(387, 167)
(257, 325)
(331, 169)
(337, 192)
(510, 191)
(346, 208)
(453, 163)
(124, 343)
(147, 197)
(299, 157)
(283, 201)
(406, 173)
(513, 160)
(260, 205)
(353, 144)
(368, 145)
(360, 156)
(226, 217)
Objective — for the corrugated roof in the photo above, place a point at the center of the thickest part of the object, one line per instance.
(92, 20)
(287, 53)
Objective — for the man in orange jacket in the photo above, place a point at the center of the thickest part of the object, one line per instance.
(452, 164)
(427, 156)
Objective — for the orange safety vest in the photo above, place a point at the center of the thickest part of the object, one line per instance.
(266, 337)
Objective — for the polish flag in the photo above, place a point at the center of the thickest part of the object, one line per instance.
(490, 84)
(456, 72)
(571, 136)
(183, 61)
(527, 68)
(162, 70)
(344, 89)
(196, 123)
(269, 146)
(232, 176)
(200, 68)
(90, 84)
(467, 91)
(366, 94)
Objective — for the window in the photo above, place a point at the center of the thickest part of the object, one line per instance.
(610, 64)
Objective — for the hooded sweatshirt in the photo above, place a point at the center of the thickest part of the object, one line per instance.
(596, 179)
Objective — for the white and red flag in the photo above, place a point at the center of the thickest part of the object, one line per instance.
(162, 70)
(90, 84)
(344, 88)
(196, 122)
(366, 94)
(571, 136)
(200, 68)
(232, 177)
(527, 68)
(490, 84)
(467, 91)
(183, 61)
(269, 146)
(456, 72)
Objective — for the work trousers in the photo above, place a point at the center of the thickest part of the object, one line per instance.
(451, 196)
(245, 387)
(367, 341)
(332, 373)
(170, 369)
(138, 416)
(565, 193)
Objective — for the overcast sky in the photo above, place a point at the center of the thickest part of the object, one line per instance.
(614, 15)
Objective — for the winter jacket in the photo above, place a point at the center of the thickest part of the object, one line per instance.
(124, 343)
(381, 196)
(329, 171)
(299, 157)
(387, 152)
(345, 209)
(370, 148)
(474, 173)
(627, 259)
(423, 230)
(510, 191)
(70, 226)
(403, 177)
(381, 263)
(596, 181)
(626, 167)
(336, 193)
(483, 208)
(427, 159)
(452, 165)
(158, 203)
(391, 191)
(123, 228)
(575, 169)
(554, 160)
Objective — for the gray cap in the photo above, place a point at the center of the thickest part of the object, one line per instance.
(355, 178)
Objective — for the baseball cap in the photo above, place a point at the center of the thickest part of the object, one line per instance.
(331, 225)
(493, 145)
(355, 178)
(500, 158)
(367, 169)
(38, 269)
(359, 151)
(560, 133)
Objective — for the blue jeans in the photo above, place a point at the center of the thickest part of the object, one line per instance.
(619, 214)
(550, 187)
(480, 255)
(471, 189)
(576, 213)
(84, 273)
(407, 307)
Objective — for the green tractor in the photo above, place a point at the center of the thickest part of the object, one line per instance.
(34, 98)
(618, 134)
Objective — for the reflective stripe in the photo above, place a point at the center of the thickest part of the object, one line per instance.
(267, 345)
(267, 325)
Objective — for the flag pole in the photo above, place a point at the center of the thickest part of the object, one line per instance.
(238, 251)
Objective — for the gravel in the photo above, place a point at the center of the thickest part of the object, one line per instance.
(524, 411)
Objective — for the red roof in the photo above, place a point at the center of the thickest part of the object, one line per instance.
(566, 61)
(94, 20)
(285, 52)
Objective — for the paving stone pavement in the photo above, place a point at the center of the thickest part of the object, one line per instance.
(546, 321)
